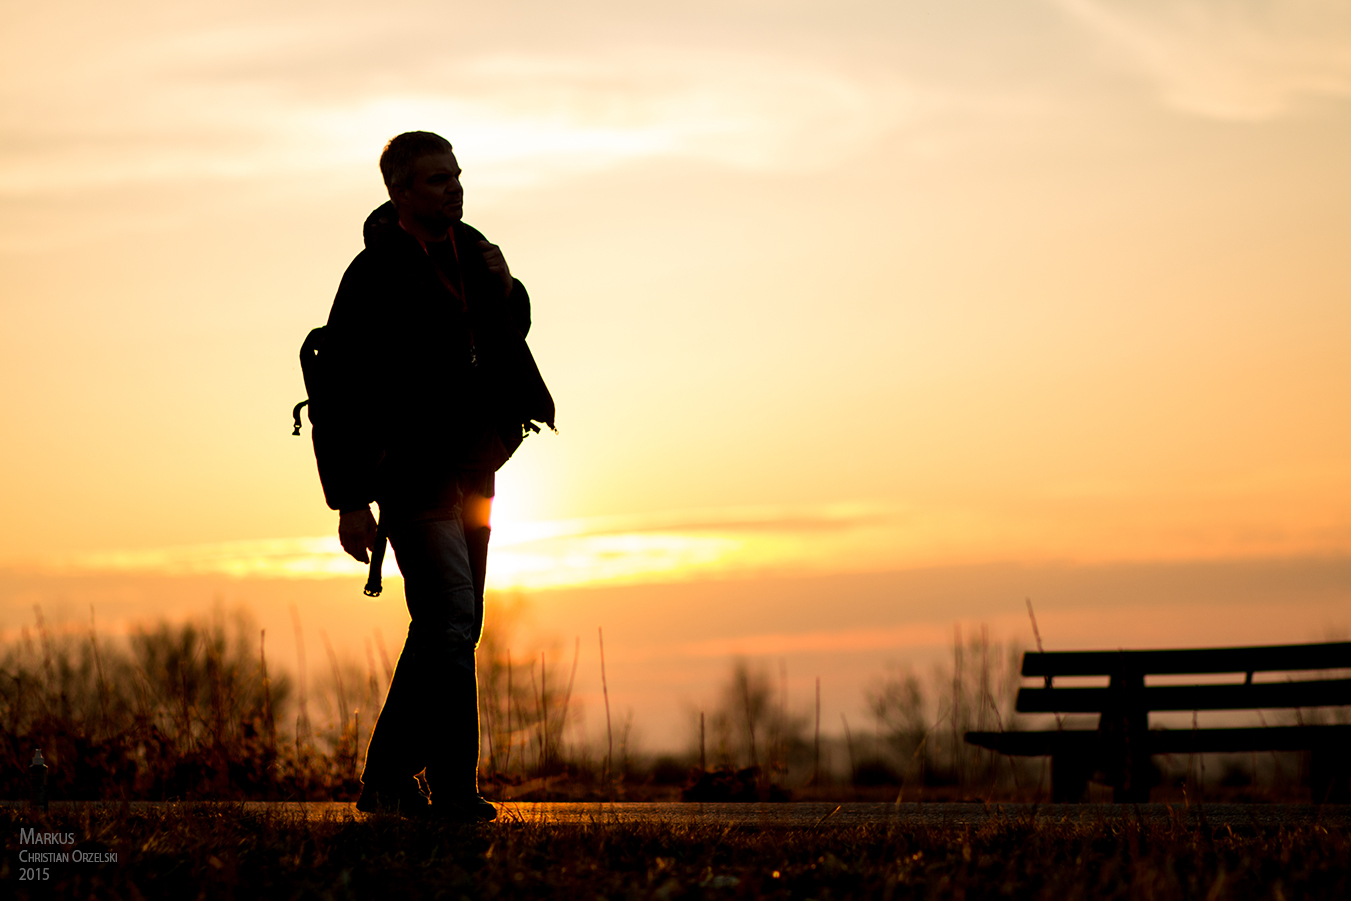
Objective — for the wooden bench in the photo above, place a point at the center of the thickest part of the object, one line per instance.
(1119, 750)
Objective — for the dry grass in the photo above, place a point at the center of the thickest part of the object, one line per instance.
(192, 711)
(179, 711)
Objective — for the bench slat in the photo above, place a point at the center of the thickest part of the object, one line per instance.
(1256, 738)
(1036, 744)
(1331, 655)
(1258, 696)
(1169, 741)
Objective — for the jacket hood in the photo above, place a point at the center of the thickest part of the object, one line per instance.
(381, 225)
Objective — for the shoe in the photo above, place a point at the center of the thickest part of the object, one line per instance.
(409, 803)
(471, 810)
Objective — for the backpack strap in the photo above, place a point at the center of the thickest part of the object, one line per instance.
(309, 370)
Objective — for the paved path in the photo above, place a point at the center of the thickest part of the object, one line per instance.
(822, 815)
(826, 815)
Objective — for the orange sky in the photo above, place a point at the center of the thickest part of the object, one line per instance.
(857, 287)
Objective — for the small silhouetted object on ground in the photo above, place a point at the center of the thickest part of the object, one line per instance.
(726, 784)
(37, 775)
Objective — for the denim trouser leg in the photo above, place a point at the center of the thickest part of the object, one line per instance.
(430, 716)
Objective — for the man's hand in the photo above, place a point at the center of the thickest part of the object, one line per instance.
(497, 264)
(356, 532)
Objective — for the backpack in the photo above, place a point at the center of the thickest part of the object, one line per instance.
(513, 394)
(310, 371)
(514, 397)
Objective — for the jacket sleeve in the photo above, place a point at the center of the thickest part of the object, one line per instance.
(348, 432)
(518, 307)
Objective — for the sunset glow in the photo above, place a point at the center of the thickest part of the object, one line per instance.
(821, 289)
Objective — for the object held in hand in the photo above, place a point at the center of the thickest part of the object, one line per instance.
(373, 586)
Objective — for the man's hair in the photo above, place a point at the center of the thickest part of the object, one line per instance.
(402, 151)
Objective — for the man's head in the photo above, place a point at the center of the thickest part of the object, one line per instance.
(423, 179)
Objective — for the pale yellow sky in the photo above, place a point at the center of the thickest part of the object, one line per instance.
(819, 287)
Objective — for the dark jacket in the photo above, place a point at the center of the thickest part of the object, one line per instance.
(404, 422)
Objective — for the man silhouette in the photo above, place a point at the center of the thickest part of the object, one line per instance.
(407, 427)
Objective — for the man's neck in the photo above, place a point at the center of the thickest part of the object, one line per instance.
(421, 232)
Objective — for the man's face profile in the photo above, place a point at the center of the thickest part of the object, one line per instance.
(434, 198)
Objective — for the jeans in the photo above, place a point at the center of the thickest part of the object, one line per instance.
(430, 716)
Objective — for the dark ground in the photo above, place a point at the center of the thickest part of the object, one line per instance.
(669, 851)
(793, 816)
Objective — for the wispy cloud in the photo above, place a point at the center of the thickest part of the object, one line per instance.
(1228, 60)
(318, 557)
(538, 555)
(119, 118)
(746, 542)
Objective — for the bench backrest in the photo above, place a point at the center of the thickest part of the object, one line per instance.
(1267, 658)
(1127, 670)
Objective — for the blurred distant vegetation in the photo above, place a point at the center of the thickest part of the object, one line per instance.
(186, 711)
(912, 742)
(194, 711)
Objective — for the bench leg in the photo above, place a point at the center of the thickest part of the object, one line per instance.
(1133, 779)
(1330, 775)
(1069, 778)
(1135, 793)
(1125, 736)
